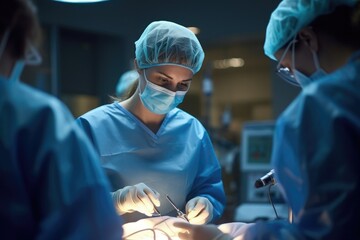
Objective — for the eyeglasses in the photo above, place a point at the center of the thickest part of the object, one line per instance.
(284, 72)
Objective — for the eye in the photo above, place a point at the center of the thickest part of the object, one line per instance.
(163, 80)
(183, 86)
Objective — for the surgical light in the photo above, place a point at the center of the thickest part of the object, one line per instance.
(229, 63)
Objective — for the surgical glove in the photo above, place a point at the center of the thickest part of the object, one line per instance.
(138, 198)
(199, 210)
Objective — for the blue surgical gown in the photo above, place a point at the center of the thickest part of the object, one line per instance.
(178, 160)
(51, 184)
(316, 157)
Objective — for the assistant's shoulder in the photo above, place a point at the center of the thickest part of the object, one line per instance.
(17, 92)
(338, 90)
(24, 102)
(343, 81)
(335, 95)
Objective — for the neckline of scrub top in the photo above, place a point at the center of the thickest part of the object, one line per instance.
(142, 125)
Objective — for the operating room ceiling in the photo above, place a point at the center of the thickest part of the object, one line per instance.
(219, 21)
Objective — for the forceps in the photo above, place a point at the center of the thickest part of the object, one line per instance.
(156, 211)
(179, 213)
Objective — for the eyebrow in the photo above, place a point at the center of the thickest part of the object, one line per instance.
(187, 80)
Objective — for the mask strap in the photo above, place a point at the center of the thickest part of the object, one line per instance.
(17, 70)
(316, 59)
(293, 53)
(285, 52)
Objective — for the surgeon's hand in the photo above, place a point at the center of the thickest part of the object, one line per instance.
(138, 198)
(199, 210)
(195, 232)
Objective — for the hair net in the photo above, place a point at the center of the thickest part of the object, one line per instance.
(291, 16)
(168, 43)
(125, 81)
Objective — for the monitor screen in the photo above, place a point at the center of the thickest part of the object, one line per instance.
(256, 147)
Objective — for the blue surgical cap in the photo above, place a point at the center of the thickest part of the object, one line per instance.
(168, 43)
(125, 82)
(293, 15)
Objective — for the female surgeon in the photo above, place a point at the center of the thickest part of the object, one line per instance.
(316, 154)
(148, 146)
(51, 184)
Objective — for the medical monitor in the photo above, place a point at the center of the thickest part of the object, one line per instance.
(256, 146)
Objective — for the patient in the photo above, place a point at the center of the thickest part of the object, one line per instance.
(165, 227)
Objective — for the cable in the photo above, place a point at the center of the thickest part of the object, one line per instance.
(142, 230)
(153, 230)
(272, 204)
(163, 221)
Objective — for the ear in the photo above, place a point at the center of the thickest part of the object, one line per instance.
(309, 38)
(137, 66)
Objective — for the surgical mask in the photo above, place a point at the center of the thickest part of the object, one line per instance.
(32, 57)
(160, 100)
(304, 80)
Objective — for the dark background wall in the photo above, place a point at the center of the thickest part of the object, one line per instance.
(94, 43)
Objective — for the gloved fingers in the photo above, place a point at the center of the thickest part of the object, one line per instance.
(144, 209)
(183, 229)
(144, 203)
(138, 198)
(190, 205)
(183, 225)
(183, 235)
(153, 195)
(197, 232)
(117, 201)
(199, 210)
(202, 218)
(194, 207)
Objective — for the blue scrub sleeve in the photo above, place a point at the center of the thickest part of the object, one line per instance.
(69, 191)
(208, 182)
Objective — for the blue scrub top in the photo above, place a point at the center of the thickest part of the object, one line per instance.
(178, 160)
(51, 184)
(316, 156)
